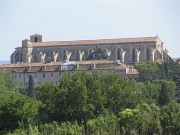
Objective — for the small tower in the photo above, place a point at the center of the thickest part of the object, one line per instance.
(26, 49)
(36, 38)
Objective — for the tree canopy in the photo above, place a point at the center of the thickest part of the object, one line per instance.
(98, 55)
(90, 103)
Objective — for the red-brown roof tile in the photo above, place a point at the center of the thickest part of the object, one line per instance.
(99, 41)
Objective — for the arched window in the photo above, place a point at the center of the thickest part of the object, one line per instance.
(147, 53)
(118, 57)
(133, 55)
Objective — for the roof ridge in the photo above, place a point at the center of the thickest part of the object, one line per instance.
(95, 39)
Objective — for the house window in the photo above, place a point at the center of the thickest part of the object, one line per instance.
(44, 75)
(52, 74)
(19, 76)
(35, 75)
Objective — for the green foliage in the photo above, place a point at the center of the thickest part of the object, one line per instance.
(170, 117)
(48, 95)
(2, 82)
(150, 122)
(104, 124)
(147, 71)
(15, 109)
(151, 91)
(98, 55)
(53, 128)
(84, 99)
(85, 103)
(169, 70)
(65, 128)
(166, 93)
(8, 82)
(130, 119)
(31, 91)
(145, 119)
(120, 92)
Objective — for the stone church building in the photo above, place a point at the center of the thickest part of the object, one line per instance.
(48, 61)
(124, 50)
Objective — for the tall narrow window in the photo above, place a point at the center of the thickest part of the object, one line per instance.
(133, 55)
(19, 76)
(36, 39)
(147, 53)
(44, 75)
(78, 55)
(52, 74)
(118, 54)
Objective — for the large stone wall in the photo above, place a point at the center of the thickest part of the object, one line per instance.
(128, 53)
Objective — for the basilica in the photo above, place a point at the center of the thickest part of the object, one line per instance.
(48, 61)
(124, 50)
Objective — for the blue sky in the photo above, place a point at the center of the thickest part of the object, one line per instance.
(60, 20)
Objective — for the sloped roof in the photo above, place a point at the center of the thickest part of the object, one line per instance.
(30, 64)
(98, 41)
(54, 63)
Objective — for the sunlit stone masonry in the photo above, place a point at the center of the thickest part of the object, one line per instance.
(48, 61)
(125, 50)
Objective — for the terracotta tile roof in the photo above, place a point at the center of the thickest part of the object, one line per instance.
(99, 41)
(94, 62)
(30, 64)
(53, 63)
(58, 66)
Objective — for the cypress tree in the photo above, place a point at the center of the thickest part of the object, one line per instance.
(164, 95)
(31, 92)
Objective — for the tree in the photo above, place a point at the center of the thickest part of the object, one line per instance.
(31, 92)
(120, 92)
(150, 119)
(98, 55)
(47, 93)
(147, 71)
(11, 83)
(104, 124)
(130, 119)
(170, 117)
(8, 82)
(166, 93)
(2, 82)
(16, 109)
(83, 99)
